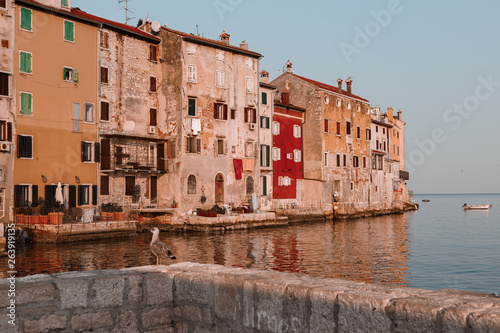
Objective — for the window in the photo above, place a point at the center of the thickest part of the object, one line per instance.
(276, 128)
(325, 158)
(397, 135)
(192, 74)
(221, 147)
(26, 103)
(152, 84)
(326, 99)
(192, 107)
(380, 162)
(152, 117)
(129, 185)
(3, 4)
(264, 122)
(355, 161)
(338, 102)
(76, 117)
(383, 130)
(22, 195)
(191, 188)
(276, 154)
(153, 52)
(26, 19)
(152, 159)
(364, 161)
(220, 111)
(345, 160)
(263, 181)
(104, 75)
(348, 128)
(249, 185)
(4, 84)
(87, 151)
(250, 115)
(385, 147)
(368, 134)
(338, 160)
(5, 131)
(249, 152)
(265, 155)
(233, 113)
(64, 3)
(89, 112)
(325, 125)
(358, 108)
(249, 84)
(70, 74)
(296, 131)
(104, 39)
(219, 78)
(104, 110)
(24, 146)
(25, 62)
(376, 129)
(348, 105)
(338, 128)
(358, 132)
(193, 145)
(69, 31)
(297, 155)
(284, 181)
(104, 185)
(264, 98)
(374, 162)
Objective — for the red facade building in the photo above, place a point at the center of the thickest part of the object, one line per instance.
(287, 150)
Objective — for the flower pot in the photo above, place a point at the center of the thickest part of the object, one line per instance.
(56, 218)
(107, 216)
(33, 219)
(119, 216)
(44, 219)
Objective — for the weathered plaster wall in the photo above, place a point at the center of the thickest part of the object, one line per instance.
(209, 298)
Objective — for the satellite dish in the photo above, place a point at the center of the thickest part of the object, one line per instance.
(155, 26)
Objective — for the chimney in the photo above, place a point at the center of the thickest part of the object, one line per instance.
(224, 37)
(339, 82)
(399, 114)
(348, 82)
(390, 113)
(264, 76)
(244, 45)
(285, 97)
(289, 67)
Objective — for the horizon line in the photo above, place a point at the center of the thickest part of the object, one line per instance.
(452, 193)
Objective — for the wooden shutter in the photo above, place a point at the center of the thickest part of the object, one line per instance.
(97, 152)
(215, 110)
(104, 111)
(9, 131)
(268, 156)
(154, 188)
(254, 116)
(69, 31)
(104, 75)
(34, 195)
(25, 18)
(104, 185)
(198, 146)
(81, 195)
(17, 195)
(152, 117)
(153, 52)
(152, 83)
(50, 195)
(94, 195)
(20, 148)
(192, 107)
(72, 196)
(233, 114)
(326, 125)
(161, 157)
(105, 154)
(84, 151)
(4, 84)
(225, 111)
(264, 185)
(129, 184)
(264, 98)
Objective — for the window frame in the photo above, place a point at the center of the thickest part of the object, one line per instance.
(193, 145)
(265, 122)
(26, 70)
(265, 156)
(73, 33)
(92, 107)
(89, 155)
(191, 184)
(192, 74)
(193, 108)
(104, 78)
(21, 19)
(250, 115)
(276, 128)
(4, 84)
(220, 111)
(19, 146)
(297, 131)
(297, 155)
(73, 74)
(100, 110)
(21, 93)
(104, 39)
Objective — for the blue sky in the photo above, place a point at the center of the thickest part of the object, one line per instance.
(437, 61)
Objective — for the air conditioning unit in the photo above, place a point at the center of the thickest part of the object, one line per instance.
(152, 130)
(5, 146)
(252, 127)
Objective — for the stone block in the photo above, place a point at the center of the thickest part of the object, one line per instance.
(36, 312)
(73, 293)
(126, 321)
(157, 317)
(192, 313)
(227, 298)
(47, 323)
(192, 288)
(159, 288)
(485, 322)
(34, 293)
(296, 308)
(108, 292)
(269, 305)
(135, 289)
(455, 318)
(363, 311)
(323, 300)
(91, 321)
(162, 330)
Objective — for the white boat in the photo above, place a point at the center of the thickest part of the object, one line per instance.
(476, 207)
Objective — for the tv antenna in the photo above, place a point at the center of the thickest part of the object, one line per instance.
(126, 10)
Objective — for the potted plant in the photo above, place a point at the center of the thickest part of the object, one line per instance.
(107, 211)
(44, 211)
(119, 214)
(57, 214)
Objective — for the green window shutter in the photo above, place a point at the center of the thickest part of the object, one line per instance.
(25, 62)
(64, 3)
(75, 75)
(69, 31)
(26, 19)
(25, 103)
(264, 185)
(192, 107)
(264, 98)
(268, 155)
(261, 155)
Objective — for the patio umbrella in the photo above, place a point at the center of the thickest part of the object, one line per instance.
(59, 193)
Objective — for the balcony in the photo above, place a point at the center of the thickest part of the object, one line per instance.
(404, 175)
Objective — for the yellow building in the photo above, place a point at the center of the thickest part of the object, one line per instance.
(56, 74)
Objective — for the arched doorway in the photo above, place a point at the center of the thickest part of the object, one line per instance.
(219, 188)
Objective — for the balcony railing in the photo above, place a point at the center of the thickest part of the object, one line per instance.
(404, 175)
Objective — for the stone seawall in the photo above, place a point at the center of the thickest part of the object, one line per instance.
(191, 297)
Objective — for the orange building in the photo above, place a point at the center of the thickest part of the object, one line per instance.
(56, 74)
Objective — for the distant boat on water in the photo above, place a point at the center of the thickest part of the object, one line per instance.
(426, 200)
(476, 207)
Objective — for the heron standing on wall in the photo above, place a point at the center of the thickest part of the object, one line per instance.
(159, 249)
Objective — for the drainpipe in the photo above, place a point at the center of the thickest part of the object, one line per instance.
(96, 114)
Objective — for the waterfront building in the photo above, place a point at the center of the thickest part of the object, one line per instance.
(336, 141)
(7, 110)
(210, 93)
(267, 92)
(397, 154)
(287, 152)
(56, 84)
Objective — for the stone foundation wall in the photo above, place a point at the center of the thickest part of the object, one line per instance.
(191, 297)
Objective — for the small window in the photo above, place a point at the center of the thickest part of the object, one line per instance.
(249, 84)
(24, 146)
(104, 75)
(220, 111)
(265, 158)
(104, 185)
(89, 112)
(348, 128)
(26, 103)
(338, 128)
(4, 84)
(25, 62)
(191, 184)
(368, 134)
(152, 117)
(276, 128)
(104, 111)
(65, 3)
(153, 53)
(219, 78)
(152, 84)
(355, 161)
(358, 132)
(297, 155)
(221, 147)
(104, 39)
(264, 98)
(325, 159)
(338, 102)
(193, 145)
(264, 122)
(250, 115)
(296, 131)
(264, 185)
(83, 195)
(338, 160)
(249, 185)
(129, 185)
(192, 107)
(70, 74)
(276, 154)
(87, 151)
(345, 160)
(69, 31)
(325, 125)
(26, 19)
(5, 132)
(326, 100)
(192, 74)
(3, 4)
(348, 105)
(358, 108)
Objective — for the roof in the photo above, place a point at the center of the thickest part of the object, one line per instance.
(212, 42)
(92, 19)
(289, 106)
(381, 123)
(328, 87)
(267, 85)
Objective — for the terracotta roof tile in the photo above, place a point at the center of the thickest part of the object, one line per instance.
(328, 87)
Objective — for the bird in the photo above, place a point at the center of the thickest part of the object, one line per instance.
(159, 249)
